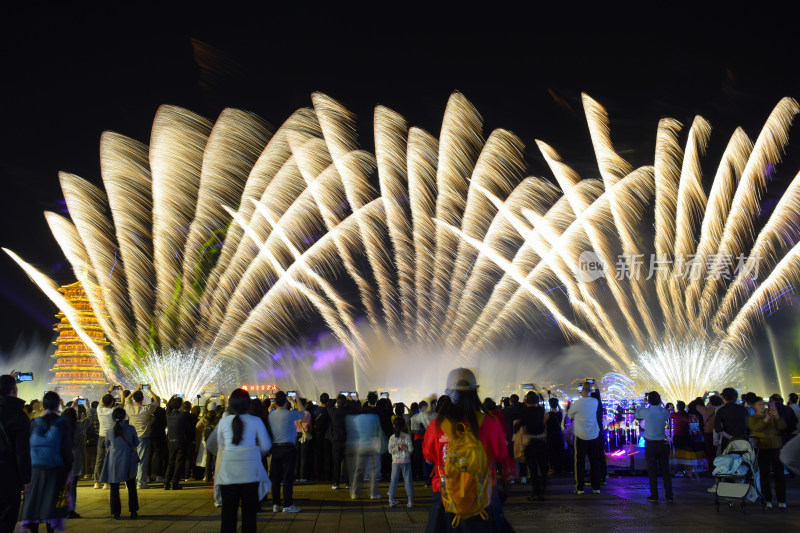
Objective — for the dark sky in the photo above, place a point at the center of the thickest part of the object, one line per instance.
(68, 74)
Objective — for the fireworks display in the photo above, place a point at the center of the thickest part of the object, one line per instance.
(226, 239)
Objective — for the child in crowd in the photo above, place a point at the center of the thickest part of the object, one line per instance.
(401, 448)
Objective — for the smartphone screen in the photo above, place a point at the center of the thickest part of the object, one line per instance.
(527, 386)
(384, 395)
(343, 393)
(253, 397)
(179, 395)
(24, 376)
(291, 394)
(145, 387)
(81, 401)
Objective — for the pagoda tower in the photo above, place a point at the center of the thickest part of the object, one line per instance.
(76, 369)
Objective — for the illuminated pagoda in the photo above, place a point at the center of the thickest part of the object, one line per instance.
(76, 368)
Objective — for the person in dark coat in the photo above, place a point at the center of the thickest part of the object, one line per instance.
(180, 433)
(121, 463)
(322, 446)
(337, 434)
(51, 461)
(78, 430)
(158, 443)
(15, 452)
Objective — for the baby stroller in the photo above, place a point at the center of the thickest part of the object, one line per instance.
(736, 473)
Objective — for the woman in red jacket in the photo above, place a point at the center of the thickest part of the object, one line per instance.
(466, 407)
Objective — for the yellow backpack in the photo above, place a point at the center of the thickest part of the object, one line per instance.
(467, 476)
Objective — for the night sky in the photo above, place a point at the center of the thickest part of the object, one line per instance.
(68, 74)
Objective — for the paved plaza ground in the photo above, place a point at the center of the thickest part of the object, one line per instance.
(620, 507)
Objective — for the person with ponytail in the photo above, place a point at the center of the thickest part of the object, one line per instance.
(240, 441)
(47, 501)
(121, 463)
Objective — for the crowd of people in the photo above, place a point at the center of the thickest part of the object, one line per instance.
(468, 450)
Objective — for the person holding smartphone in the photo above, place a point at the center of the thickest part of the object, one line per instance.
(284, 454)
(767, 424)
(140, 416)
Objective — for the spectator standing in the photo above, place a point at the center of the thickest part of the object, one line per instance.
(555, 436)
(51, 461)
(141, 417)
(158, 443)
(531, 421)
(78, 431)
(367, 441)
(731, 419)
(121, 464)
(15, 454)
(685, 429)
(179, 434)
(709, 414)
(284, 454)
(92, 436)
(767, 425)
(322, 446)
(583, 412)
(240, 441)
(401, 447)
(419, 424)
(104, 421)
(462, 405)
(656, 450)
(337, 435)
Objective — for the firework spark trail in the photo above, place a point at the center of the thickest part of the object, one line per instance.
(612, 169)
(50, 289)
(722, 191)
(127, 180)
(271, 179)
(391, 135)
(235, 142)
(745, 207)
(459, 146)
(448, 250)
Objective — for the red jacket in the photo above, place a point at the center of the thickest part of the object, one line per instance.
(492, 437)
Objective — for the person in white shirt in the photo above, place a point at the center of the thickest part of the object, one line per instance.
(105, 422)
(240, 441)
(583, 413)
(140, 416)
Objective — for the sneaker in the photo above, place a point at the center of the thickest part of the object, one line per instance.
(73, 514)
(411, 505)
(347, 487)
(106, 486)
(98, 486)
(276, 508)
(523, 480)
(393, 503)
(577, 492)
(375, 497)
(669, 498)
(159, 479)
(335, 486)
(768, 505)
(652, 498)
(302, 480)
(292, 509)
(595, 491)
(712, 489)
(781, 505)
